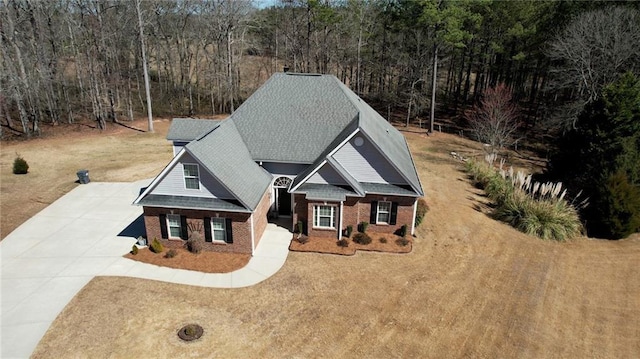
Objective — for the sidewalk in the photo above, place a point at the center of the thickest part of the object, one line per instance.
(47, 260)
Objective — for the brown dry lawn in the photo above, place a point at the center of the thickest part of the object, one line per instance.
(471, 287)
(117, 154)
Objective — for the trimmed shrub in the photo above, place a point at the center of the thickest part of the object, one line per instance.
(349, 230)
(343, 243)
(20, 166)
(383, 239)
(362, 227)
(171, 253)
(402, 242)
(361, 238)
(421, 210)
(134, 250)
(194, 245)
(156, 246)
(403, 230)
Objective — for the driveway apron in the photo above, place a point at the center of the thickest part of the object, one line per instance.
(47, 260)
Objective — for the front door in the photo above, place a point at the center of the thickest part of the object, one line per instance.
(284, 202)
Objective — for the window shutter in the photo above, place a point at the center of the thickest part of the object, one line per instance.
(184, 228)
(163, 227)
(394, 213)
(227, 227)
(374, 212)
(207, 229)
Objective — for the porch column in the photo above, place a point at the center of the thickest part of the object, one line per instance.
(340, 221)
(253, 240)
(413, 223)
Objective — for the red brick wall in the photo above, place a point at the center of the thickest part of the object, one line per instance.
(240, 225)
(321, 232)
(260, 216)
(300, 211)
(405, 213)
(355, 211)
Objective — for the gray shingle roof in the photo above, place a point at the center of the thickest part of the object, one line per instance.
(225, 156)
(301, 118)
(156, 200)
(325, 192)
(390, 189)
(188, 129)
(293, 117)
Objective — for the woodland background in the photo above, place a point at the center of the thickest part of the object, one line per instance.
(417, 62)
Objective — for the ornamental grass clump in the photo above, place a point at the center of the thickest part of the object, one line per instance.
(538, 209)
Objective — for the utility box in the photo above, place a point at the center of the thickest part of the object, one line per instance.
(83, 176)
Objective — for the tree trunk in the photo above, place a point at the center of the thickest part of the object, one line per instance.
(147, 86)
(434, 81)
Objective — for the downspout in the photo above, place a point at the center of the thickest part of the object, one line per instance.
(413, 223)
(253, 242)
(340, 223)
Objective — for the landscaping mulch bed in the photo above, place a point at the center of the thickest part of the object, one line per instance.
(207, 262)
(330, 246)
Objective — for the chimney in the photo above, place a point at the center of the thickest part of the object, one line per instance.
(285, 68)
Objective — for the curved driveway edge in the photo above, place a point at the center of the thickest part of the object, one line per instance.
(47, 260)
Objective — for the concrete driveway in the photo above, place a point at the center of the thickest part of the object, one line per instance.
(48, 259)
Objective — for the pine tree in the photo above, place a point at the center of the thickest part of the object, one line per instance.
(602, 157)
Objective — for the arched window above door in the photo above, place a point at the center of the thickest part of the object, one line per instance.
(282, 182)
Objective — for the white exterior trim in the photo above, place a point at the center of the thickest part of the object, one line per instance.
(340, 220)
(330, 154)
(338, 147)
(393, 164)
(413, 222)
(253, 240)
(161, 176)
(306, 178)
(171, 165)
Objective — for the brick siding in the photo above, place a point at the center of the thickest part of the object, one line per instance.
(240, 224)
(355, 211)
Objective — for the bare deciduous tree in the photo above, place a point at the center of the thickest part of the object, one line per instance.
(593, 51)
(495, 120)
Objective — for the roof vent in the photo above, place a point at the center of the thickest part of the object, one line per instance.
(285, 68)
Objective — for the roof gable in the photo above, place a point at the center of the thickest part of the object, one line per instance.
(173, 182)
(223, 152)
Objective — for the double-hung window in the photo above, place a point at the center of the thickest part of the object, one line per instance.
(191, 176)
(218, 230)
(384, 211)
(174, 225)
(324, 216)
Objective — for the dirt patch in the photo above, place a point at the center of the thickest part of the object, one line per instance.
(384, 243)
(207, 262)
(471, 288)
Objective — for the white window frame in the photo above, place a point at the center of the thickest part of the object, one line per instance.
(317, 216)
(196, 177)
(169, 226)
(223, 230)
(381, 211)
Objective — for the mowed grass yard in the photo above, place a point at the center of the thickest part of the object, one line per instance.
(471, 287)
